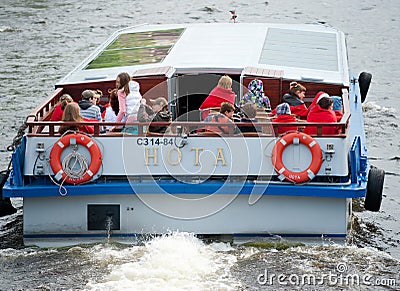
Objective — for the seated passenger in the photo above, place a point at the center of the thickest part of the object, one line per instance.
(225, 116)
(295, 98)
(256, 95)
(284, 115)
(72, 113)
(221, 93)
(112, 109)
(249, 111)
(88, 106)
(322, 112)
(158, 112)
(99, 94)
(59, 109)
(337, 103)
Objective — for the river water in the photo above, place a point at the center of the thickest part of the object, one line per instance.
(42, 40)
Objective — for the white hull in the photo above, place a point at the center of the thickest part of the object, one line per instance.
(63, 218)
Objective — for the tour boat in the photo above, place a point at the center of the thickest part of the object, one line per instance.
(123, 184)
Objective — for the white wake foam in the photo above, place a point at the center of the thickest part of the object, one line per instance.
(178, 261)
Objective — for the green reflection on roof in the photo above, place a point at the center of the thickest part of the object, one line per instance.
(137, 49)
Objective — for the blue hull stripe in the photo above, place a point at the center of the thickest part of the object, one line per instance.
(174, 187)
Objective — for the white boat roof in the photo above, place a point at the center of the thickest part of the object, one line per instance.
(303, 52)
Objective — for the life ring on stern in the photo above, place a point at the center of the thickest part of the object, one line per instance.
(75, 139)
(296, 138)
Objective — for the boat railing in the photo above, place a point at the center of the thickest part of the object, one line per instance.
(50, 128)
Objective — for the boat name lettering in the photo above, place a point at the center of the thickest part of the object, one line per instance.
(174, 156)
(154, 141)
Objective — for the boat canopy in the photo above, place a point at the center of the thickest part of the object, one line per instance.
(305, 52)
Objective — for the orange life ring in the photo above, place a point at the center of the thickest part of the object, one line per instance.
(312, 169)
(63, 143)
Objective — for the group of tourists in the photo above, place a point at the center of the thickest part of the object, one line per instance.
(292, 109)
(126, 105)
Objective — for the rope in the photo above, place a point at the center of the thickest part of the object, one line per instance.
(79, 165)
(20, 134)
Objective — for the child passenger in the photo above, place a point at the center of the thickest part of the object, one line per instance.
(112, 109)
(249, 111)
(225, 116)
(284, 115)
(256, 95)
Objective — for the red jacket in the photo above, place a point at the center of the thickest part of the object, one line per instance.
(318, 114)
(220, 119)
(57, 113)
(299, 110)
(338, 113)
(216, 97)
(285, 118)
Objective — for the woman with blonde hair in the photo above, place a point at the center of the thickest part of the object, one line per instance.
(72, 113)
(221, 93)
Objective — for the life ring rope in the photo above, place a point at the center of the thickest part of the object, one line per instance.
(65, 169)
(296, 138)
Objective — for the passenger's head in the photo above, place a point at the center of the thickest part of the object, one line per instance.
(325, 102)
(256, 87)
(88, 95)
(159, 104)
(64, 100)
(113, 100)
(297, 89)
(122, 81)
(227, 109)
(98, 94)
(72, 112)
(283, 108)
(225, 82)
(249, 109)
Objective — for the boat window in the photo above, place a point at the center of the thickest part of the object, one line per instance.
(137, 49)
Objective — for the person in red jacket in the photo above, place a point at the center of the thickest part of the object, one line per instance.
(221, 93)
(337, 104)
(72, 114)
(322, 112)
(59, 109)
(284, 115)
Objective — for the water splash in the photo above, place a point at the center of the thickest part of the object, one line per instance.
(178, 261)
